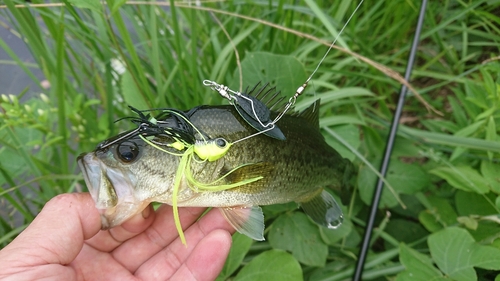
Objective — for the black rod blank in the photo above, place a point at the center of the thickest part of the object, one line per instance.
(388, 149)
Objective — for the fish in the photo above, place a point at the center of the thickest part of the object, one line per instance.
(204, 157)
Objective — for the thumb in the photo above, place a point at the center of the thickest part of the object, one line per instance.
(56, 235)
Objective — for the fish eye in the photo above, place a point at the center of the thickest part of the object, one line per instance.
(220, 142)
(127, 151)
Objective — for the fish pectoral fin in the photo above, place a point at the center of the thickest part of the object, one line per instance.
(246, 220)
(249, 171)
(324, 210)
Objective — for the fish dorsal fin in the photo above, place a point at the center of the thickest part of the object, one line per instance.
(311, 114)
(271, 98)
(246, 220)
(324, 210)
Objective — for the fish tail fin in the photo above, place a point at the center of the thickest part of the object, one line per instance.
(324, 210)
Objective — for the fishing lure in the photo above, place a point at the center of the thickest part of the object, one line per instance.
(172, 122)
(206, 150)
(253, 111)
(187, 141)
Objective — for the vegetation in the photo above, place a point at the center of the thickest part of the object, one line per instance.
(441, 221)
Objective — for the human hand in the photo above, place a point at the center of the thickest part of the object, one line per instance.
(65, 242)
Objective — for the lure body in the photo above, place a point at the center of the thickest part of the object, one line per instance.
(126, 176)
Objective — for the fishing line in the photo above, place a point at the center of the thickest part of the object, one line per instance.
(233, 96)
(301, 88)
(333, 43)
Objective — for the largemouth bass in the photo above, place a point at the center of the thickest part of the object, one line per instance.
(125, 173)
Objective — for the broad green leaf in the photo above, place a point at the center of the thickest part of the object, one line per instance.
(350, 134)
(456, 253)
(94, 5)
(413, 206)
(15, 166)
(407, 151)
(440, 214)
(277, 209)
(463, 177)
(491, 172)
(353, 240)
(405, 178)
(273, 265)
(469, 222)
(239, 248)
(451, 249)
(487, 231)
(418, 266)
(366, 184)
(284, 72)
(296, 233)
(470, 203)
(405, 230)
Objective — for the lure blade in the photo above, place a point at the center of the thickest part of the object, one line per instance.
(251, 109)
(256, 114)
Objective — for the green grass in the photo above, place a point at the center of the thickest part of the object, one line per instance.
(445, 168)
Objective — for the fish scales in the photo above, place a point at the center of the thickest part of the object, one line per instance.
(300, 164)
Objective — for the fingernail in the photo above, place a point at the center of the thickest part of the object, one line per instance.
(146, 212)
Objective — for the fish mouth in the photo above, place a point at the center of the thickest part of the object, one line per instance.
(112, 190)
